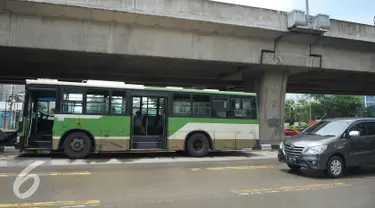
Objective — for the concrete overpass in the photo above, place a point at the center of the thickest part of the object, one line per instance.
(194, 43)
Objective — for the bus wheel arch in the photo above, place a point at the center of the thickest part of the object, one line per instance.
(65, 135)
(201, 136)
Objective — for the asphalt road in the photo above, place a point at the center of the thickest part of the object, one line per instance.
(246, 182)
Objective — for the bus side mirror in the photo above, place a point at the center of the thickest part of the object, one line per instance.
(354, 134)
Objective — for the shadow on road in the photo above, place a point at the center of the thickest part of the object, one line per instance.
(141, 155)
(362, 172)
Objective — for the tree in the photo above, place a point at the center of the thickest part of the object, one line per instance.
(327, 106)
(289, 111)
(303, 110)
(335, 106)
(367, 112)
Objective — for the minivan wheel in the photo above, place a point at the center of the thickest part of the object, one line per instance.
(335, 167)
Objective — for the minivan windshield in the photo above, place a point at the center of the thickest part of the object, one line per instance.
(327, 128)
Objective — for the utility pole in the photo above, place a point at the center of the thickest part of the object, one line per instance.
(308, 25)
(307, 13)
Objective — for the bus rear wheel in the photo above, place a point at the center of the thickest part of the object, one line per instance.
(77, 145)
(197, 145)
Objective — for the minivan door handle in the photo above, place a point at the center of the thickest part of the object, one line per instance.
(367, 141)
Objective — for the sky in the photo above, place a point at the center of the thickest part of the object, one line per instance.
(361, 11)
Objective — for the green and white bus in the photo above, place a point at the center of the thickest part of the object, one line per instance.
(99, 116)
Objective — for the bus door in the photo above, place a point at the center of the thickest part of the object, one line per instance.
(39, 118)
(149, 122)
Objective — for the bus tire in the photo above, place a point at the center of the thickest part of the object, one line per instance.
(198, 145)
(77, 145)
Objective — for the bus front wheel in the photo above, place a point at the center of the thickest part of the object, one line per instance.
(77, 145)
(197, 145)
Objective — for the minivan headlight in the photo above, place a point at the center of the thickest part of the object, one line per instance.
(316, 149)
(281, 147)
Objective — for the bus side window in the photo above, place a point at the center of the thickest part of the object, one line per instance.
(72, 100)
(118, 102)
(220, 107)
(181, 104)
(201, 105)
(242, 108)
(97, 101)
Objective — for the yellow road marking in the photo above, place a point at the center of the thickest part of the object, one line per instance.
(51, 203)
(47, 174)
(289, 188)
(255, 167)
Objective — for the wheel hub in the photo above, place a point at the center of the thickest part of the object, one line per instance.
(77, 144)
(336, 167)
(197, 145)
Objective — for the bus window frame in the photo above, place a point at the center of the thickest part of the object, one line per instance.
(129, 93)
(36, 87)
(84, 105)
(230, 97)
(218, 97)
(242, 97)
(147, 93)
(172, 114)
(126, 93)
(63, 89)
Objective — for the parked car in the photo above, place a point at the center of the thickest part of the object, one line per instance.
(331, 145)
(290, 132)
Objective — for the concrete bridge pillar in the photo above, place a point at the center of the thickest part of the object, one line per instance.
(270, 87)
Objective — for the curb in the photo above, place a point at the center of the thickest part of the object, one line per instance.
(266, 147)
(8, 149)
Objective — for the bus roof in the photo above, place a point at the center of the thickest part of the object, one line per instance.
(122, 85)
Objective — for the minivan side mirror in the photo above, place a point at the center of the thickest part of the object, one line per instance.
(354, 133)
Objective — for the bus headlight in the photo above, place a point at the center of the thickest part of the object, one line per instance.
(316, 150)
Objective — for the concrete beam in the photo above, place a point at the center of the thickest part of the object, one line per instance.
(350, 60)
(213, 12)
(89, 36)
(98, 32)
(197, 10)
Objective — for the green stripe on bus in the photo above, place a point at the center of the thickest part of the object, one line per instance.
(176, 123)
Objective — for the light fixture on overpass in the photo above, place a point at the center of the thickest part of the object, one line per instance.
(301, 21)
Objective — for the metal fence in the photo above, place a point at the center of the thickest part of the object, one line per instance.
(9, 120)
(10, 108)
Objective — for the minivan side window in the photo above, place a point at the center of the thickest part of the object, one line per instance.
(361, 127)
(371, 128)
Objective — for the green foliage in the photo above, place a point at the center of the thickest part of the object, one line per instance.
(367, 112)
(296, 112)
(290, 112)
(329, 106)
(336, 106)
